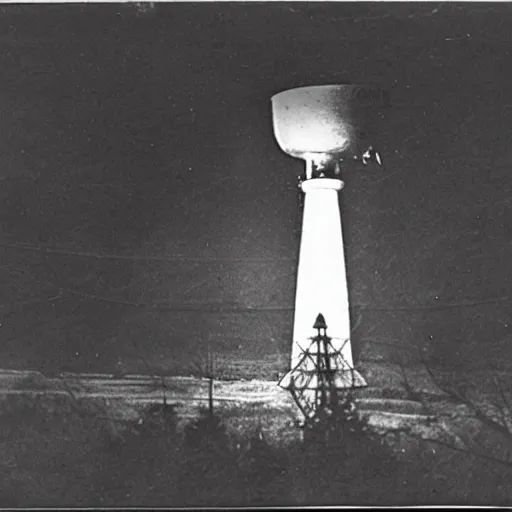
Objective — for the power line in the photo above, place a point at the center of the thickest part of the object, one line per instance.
(135, 257)
(14, 304)
(462, 304)
(218, 308)
(226, 308)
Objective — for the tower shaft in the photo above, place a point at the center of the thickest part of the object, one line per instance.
(321, 278)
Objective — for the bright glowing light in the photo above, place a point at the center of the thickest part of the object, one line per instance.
(321, 279)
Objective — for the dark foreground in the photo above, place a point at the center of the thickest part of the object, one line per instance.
(58, 450)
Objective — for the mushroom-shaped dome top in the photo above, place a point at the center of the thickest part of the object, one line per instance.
(325, 119)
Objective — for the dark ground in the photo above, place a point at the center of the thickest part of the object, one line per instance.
(59, 452)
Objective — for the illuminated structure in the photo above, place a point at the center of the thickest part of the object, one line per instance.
(322, 125)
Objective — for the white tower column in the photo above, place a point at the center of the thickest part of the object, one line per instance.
(321, 278)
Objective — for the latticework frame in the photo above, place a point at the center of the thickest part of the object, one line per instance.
(320, 375)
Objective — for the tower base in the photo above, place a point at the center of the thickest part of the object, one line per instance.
(322, 376)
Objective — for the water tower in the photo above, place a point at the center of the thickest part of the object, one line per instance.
(329, 127)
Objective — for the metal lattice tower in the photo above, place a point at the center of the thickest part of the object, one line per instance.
(321, 375)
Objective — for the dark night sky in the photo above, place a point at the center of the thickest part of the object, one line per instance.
(141, 179)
